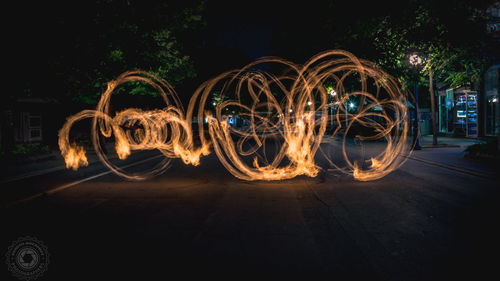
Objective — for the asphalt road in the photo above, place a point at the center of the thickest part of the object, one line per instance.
(421, 222)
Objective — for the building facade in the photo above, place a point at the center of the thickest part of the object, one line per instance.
(490, 100)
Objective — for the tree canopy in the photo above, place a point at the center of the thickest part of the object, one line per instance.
(451, 36)
(69, 50)
(74, 48)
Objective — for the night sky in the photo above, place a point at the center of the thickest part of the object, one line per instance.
(252, 27)
(236, 33)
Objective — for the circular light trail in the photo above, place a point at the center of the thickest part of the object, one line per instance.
(293, 111)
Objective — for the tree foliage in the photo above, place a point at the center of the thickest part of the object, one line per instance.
(92, 42)
(450, 35)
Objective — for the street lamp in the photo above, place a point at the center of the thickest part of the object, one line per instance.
(416, 61)
(332, 94)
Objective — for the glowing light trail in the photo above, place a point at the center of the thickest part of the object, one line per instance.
(290, 110)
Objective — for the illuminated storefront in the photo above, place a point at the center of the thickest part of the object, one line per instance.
(458, 112)
(462, 112)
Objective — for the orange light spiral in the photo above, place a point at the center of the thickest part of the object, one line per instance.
(293, 110)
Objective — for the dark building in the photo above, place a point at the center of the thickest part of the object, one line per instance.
(491, 105)
(492, 77)
(474, 111)
(29, 120)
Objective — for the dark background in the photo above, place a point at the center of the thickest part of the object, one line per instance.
(47, 42)
(44, 39)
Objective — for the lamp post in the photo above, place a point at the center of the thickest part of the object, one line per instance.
(416, 61)
(332, 93)
(346, 117)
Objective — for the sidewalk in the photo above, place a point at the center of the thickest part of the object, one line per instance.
(426, 142)
(450, 152)
(46, 163)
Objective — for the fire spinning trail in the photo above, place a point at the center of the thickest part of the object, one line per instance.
(295, 110)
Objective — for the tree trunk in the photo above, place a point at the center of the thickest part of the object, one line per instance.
(416, 125)
(433, 108)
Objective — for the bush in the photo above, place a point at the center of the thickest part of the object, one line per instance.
(488, 150)
(29, 149)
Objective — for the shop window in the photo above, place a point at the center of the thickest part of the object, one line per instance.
(35, 121)
(35, 127)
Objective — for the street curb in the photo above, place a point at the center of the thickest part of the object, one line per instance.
(450, 167)
(43, 172)
(440, 146)
(65, 186)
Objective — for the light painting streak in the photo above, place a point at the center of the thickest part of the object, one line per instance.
(293, 110)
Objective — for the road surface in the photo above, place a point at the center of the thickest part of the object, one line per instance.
(424, 221)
